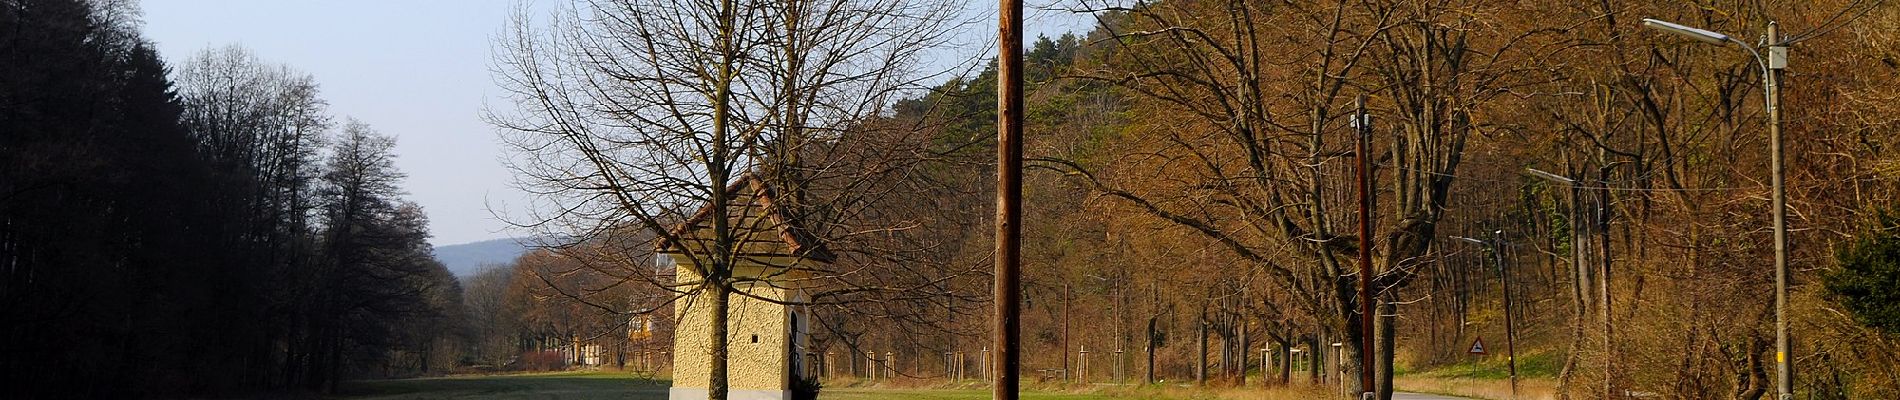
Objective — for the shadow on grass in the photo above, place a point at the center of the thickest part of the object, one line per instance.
(566, 385)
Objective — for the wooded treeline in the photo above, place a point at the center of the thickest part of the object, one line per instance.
(1192, 191)
(1193, 172)
(1203, 150)
(555, 308)
(209, 228)
(197, 229)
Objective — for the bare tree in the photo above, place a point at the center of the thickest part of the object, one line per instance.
(1254, 153)
(629, 115)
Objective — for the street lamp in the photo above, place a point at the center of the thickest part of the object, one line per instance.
(1551, 176)
(1510, 323)
(1692, 33)
(1603, 275)
(1771, 68)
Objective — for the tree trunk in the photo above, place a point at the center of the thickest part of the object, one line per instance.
(1200, 354)
(716, 388)
(1387, 332)
(1283, 360)
(1753, 382)
(1242, 370)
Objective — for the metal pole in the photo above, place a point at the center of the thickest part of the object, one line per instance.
(1362, 130)
(1603, 289)
(1771, 80)
(1009, 199)
(1510, 322)
(1578, 253)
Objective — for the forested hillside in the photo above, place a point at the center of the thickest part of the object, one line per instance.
(1192, 175)
(1191, 189)
(468, 259)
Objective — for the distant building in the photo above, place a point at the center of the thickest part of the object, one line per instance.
(590, 355)
(765, 338)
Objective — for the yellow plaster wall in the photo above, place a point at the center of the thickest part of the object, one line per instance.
(759, 366)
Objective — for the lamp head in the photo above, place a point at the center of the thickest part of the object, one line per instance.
(1693, 33)
(1550, 176)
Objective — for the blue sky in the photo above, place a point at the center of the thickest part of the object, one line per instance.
(417, 70)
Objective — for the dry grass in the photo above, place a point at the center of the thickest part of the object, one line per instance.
(1494, 389)
(616, 385)
(973, 390)
(1255, 393)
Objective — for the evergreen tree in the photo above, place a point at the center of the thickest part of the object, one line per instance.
(1868, 283)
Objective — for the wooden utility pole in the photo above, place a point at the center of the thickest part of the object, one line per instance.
(1362, 129)
(1009, 199)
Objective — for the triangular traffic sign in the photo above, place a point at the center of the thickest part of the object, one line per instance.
(1477, 346)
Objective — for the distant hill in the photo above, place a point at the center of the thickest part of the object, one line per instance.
(466, 259)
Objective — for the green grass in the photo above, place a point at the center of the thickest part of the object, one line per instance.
(618, 385)
(563, 385)
(1534, 365)
(621, 385)
(944, 394)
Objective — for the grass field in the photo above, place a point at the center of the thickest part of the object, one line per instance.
(947, 394)
(564, 386)
(618, 385)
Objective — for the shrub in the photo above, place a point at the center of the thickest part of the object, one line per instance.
(1868, 282)
(806, 388)
(546, 360)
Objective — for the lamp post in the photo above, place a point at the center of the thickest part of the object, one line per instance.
(1362, 131)
(1771, 67)
(1510, 322)
(1603, 275)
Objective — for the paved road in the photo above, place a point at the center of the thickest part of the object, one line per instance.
(1422, 396)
